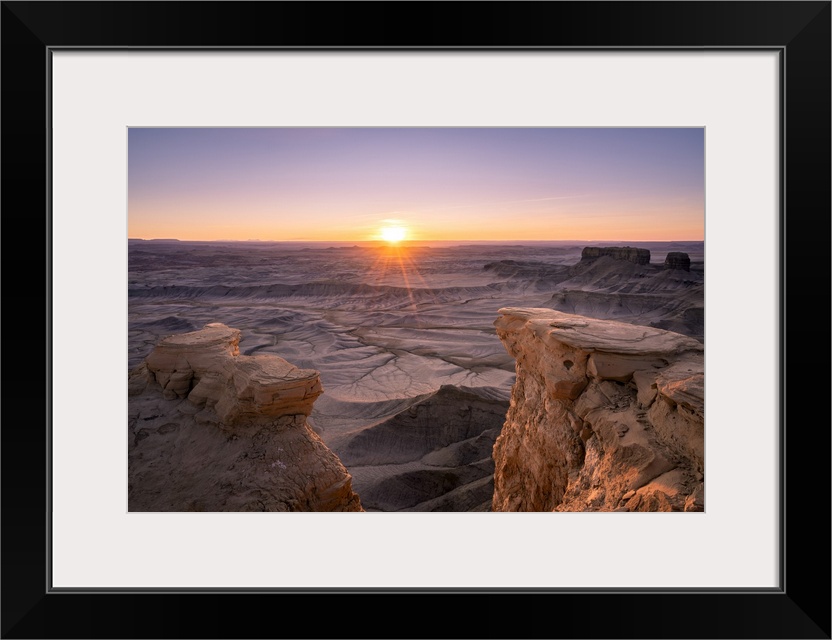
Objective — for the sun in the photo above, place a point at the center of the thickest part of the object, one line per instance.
(393, 234)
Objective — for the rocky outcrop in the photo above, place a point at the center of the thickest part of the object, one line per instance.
(211, 430)
(630, 254)
(604, 416)
(644, 294)
(677, 260)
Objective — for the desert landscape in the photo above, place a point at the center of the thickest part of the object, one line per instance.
(388, 372)
(416, 380)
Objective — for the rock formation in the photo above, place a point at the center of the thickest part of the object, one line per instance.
(604, 416)
(677, 260)
(630, 254)
(654, 295)
(211, 430)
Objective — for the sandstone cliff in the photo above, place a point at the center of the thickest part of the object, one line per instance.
(211, 430)
(604, 416)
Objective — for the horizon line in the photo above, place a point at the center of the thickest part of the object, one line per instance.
(386, 243)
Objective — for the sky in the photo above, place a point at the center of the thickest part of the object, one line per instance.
(417, 184)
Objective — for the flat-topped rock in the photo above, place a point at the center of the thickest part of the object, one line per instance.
(592, 334)
(604, 416)
(268, 385)
(205, 367)
(212, 334)
(212, 430)
(630, 254)
(677, 260)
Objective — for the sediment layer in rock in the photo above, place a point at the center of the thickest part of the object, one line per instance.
(211, 430)
(434, 455)
(604, 416)
(677, 260)
(630, 254)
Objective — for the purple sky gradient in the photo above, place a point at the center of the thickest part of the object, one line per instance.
(343, 184)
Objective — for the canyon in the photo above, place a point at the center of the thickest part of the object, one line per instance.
(348, 378)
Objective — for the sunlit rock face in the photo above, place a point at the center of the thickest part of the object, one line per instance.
(205, 367)
(211, 430)
(604, 416)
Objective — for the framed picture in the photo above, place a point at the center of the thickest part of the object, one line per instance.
(755, 76)
(390, 272)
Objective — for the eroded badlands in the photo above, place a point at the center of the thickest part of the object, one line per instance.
(416, 381)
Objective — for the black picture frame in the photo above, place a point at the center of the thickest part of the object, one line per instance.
(799, 31)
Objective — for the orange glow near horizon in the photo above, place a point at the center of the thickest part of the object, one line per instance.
(417, 185)
(612, 229)
(606, 226)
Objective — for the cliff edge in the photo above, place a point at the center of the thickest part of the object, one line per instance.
(604, 416)
(211, 430)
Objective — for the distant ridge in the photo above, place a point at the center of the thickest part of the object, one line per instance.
(630, 254)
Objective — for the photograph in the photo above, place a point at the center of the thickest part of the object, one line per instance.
(443, 263)
(416, 319)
